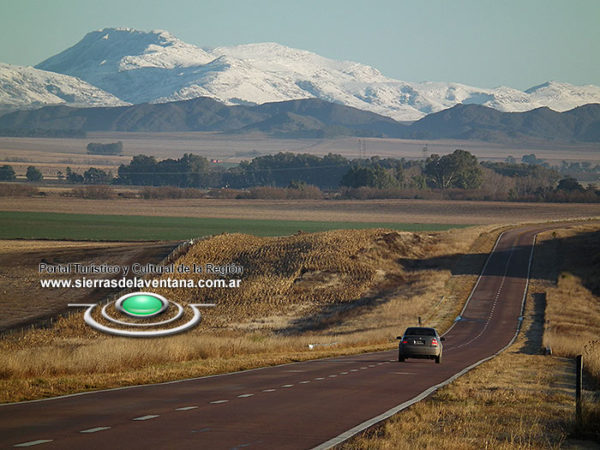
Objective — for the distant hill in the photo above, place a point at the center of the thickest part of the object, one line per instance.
(487, 124)
(295, 118)
(316, 118)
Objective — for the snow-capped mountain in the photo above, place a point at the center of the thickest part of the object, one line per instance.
(22, 87)
(156, 67)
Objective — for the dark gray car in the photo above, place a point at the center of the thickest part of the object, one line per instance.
(420, 342)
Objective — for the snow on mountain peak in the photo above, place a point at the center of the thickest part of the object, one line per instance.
(22, 87)
(138, 66)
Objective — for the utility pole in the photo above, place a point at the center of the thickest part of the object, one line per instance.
(362, 149)
(578, 383)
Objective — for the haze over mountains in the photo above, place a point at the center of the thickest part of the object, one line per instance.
(130, 66)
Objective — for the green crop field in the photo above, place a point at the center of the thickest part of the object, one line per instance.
(37, 225)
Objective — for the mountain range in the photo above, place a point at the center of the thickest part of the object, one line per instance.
(316, 118)
(118, 66)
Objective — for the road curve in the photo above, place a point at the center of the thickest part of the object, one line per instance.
(293, 406)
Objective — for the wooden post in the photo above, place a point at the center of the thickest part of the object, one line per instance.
(419, 320)
(578, 383)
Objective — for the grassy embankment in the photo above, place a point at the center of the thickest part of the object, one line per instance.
(355, 288)
(521, 399)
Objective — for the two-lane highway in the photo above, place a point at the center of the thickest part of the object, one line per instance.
(296, 406)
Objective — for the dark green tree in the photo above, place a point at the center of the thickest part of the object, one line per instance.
(459, 169)
(95, 148)
(96, 176)
(7, 173)
(569, 184)
(140, 171)
(374, 176)
(33, 174)
(73, 177)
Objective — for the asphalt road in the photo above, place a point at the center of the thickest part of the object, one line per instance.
(293, 406)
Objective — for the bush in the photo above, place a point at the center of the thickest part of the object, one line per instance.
(17, 190)
(162, 192)
(274, 193)
(224, 193)
(94, 192)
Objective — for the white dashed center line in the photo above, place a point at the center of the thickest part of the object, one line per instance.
(32, 443)
(287, 385)
(146, 417)
(185, 408)
(269, 390)
(319, 378)
(95, 430)
(245, 395)
(304, 382)
(216, 402)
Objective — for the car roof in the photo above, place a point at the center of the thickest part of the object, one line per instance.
(421, 331)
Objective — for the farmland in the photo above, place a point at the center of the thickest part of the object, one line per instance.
(105, 227)
(385, 212)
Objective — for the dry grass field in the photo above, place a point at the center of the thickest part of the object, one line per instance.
(573, 300)
(396, 210)
(354, 289)
(55, 154)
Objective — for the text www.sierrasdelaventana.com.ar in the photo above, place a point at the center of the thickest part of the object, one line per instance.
(139, 283)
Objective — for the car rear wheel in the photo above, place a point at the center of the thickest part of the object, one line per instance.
(401, 358)
(438, 359)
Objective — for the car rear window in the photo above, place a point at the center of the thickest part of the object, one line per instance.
(419, 332)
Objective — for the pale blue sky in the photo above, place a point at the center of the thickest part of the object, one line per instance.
(478, 42)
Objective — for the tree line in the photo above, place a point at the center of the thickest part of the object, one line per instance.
(457, 172)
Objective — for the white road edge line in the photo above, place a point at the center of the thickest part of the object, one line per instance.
(95, 430)
(32, 443)
(148, 417)
(369, 423)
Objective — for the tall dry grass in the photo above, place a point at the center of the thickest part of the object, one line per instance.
(573, 310)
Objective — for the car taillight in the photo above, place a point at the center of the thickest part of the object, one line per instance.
(405, 341)
(434, 342)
